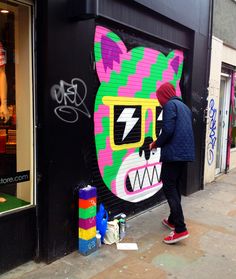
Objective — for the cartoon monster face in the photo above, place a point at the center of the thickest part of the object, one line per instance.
(127, 115)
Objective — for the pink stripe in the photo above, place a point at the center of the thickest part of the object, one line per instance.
(105, 157)
(100, 31)
(143, 67)
(113, 187)
(149, 120)
(153, 95)
(167, 75)
(98, 116)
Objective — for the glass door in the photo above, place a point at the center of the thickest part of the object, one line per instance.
(223, 123)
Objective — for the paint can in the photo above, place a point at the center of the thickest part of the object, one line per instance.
(98, 239)
(122, 226)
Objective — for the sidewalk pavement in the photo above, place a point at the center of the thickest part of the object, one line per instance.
(209, 252)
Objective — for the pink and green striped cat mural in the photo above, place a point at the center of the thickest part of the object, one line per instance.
(127, 115)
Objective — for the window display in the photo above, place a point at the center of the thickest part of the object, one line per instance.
(16, 133)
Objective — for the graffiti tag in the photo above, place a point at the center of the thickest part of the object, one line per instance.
(70, 98)
(212, 134)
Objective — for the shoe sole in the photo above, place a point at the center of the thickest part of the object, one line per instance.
(176, 240)
(166, 225)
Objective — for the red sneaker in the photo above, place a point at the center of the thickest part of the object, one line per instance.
(166, 223)
(174, 237)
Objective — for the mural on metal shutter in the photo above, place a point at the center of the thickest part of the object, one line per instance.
(127, 115)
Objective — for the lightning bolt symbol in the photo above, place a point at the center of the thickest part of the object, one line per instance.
(127, 117)
(159, 118)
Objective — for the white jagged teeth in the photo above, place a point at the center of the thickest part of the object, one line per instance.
(140, 180)
(146, 180)
(131, 178)
(144, 177)
(152, 175)
(156, 174)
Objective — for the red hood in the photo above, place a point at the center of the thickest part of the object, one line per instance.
(165, 92)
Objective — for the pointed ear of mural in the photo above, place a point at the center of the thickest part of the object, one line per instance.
(127, 115)
(108, 49)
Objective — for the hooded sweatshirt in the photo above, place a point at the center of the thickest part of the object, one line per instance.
(176, 139)
(165, 92)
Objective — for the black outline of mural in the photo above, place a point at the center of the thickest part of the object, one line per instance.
(69, 99)
(212, 134)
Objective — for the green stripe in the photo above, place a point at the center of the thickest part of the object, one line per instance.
(97, 52)
(113, 37)
(87, 213)
(149, 133)
(100, 137)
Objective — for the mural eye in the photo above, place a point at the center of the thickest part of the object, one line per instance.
(159, 120)
(127, 124)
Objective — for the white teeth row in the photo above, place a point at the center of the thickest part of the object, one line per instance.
(145, 177)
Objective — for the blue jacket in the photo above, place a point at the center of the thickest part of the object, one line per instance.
(176, 139)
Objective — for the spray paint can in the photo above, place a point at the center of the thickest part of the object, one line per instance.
(122, 225)
(98, 239)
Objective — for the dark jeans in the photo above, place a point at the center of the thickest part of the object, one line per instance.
(172, 177)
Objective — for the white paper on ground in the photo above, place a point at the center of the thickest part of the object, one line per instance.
(126, 246)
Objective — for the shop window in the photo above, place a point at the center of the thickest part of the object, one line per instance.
(233, 143)
(16, 107)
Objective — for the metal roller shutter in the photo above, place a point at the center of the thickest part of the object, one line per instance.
(127, 117)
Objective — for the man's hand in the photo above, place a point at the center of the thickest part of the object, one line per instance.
(152, 145)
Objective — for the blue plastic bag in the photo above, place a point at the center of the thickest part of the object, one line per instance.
(101, 221)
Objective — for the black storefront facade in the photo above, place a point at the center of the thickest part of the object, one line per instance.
(87, 111)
